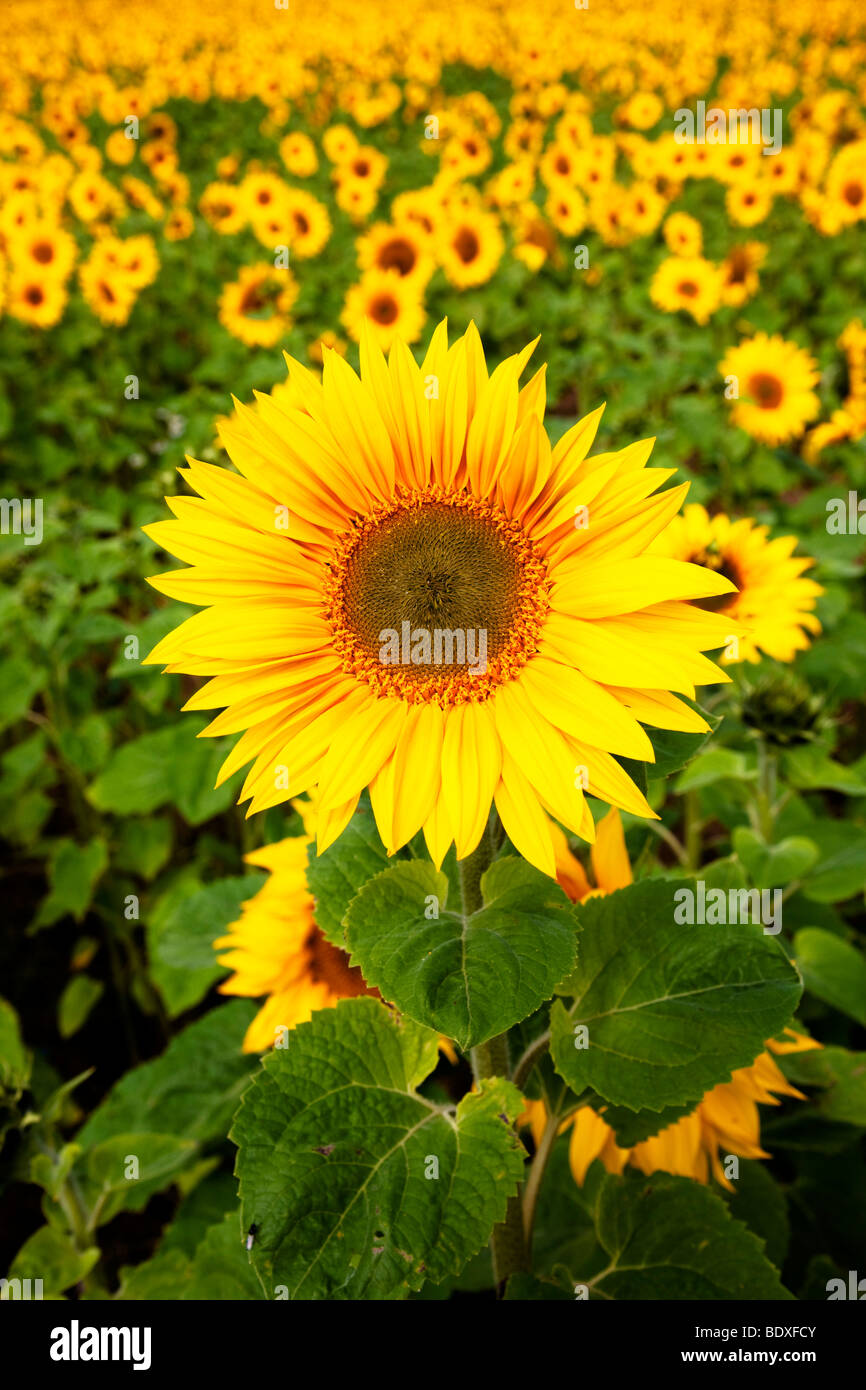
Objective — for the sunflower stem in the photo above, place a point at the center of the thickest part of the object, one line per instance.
(491, 1059)
(536, 1173)
(693, 828)
(766, 792)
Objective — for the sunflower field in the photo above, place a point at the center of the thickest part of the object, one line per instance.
(432, 739)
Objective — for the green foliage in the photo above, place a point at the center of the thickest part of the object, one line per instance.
(470, 975)
(663, 1014)
(346, 1209)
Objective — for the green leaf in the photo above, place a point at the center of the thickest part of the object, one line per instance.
(144, 846)
(73, 872)
(470, 976)
(158, 1159)
(50, 1255)
(760, 1202)
(337, 875)
(674, 750)
(840, 1074)
(770, 866)
(714, 766)
(15, 1060)
(833, 970)
(186, 938)
(673, 1238)
(810, 769)
(671, 1009)
(172, 766)
(841, 869)
(337, 1156)
(218, 1271)
(192, 1089)
(20, 680)
(80, 995)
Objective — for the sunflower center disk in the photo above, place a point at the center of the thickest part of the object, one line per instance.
(724, 566)
(436, 598)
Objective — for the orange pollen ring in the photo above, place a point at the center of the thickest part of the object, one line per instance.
(445, 685)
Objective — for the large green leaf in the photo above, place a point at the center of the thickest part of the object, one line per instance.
(336, 876)
(670, 1010)
(186, 937)
(468, 975)
(359, 1187)
(171, 766)
(833, 970)
(672, 1238)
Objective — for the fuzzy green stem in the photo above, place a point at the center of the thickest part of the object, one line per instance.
(693, 828)
(490, 1059)
(766, 792)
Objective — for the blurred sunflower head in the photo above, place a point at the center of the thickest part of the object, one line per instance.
(390, 303)
(35, 298)
(775, 380)
(276, 949)
(740, 272)
(748, 203)
(426, 509)
(42, 248)
(774, 601)
(687, 283)
(255, 307)
(725, 1122)
(470, 247)
(402, 249)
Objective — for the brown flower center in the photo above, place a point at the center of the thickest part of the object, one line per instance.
(766, 390)
(467, 245)
(398, 254)
(436, 596)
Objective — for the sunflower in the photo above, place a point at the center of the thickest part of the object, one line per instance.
(364, 165)
(513, 184)
(845, 188)
(567, 210)
(35, 298)
(644, 208)
(391, 304)
(357, 197)
(422, 208)
(748, 203)
(308, 223)
(276, 949)
(298, 153)
(740, 272)
(683, 234)
(263, 193)
(106, 289)
(402, 249)
(339, 143)
(178, 225)
(725, 1121)
(134, 259)
(775, 381)
(559, 165)
(43, 248)
(689, 283)
(428, 497)
(470, 248)
(774, 603)
(223, 206)
(255, 307)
